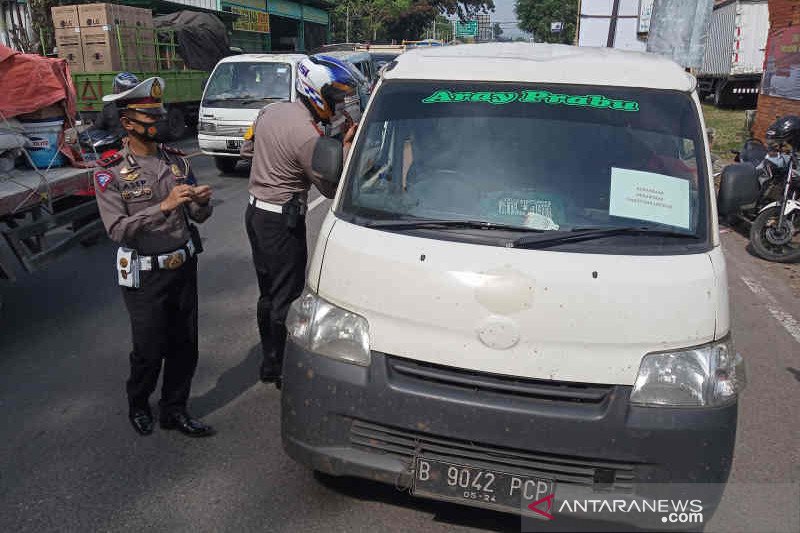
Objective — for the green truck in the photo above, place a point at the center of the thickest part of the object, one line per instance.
(183, 87)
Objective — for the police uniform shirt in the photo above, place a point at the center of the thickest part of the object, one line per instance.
(129, 192)
(283, 147)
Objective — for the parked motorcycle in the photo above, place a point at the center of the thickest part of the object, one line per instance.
(765, 194)
(95, 143)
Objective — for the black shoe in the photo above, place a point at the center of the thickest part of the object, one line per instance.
(142, 421)
(187, 425)
(270, 371)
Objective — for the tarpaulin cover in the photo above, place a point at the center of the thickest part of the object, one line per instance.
(202, 37)
(30, 82)
(782, 67)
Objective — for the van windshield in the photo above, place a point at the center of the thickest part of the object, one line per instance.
(248, 84)
(538, 158)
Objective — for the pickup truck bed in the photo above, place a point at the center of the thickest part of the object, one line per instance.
(35, 209)
(23, 188)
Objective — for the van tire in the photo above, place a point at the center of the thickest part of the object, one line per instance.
(226, 165)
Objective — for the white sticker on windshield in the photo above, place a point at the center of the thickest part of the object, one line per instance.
(649, 196)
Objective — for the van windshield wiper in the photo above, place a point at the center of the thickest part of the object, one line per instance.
(248, 101)
(423, 223)
(585, 234)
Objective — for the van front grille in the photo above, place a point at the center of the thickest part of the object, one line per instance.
(405, 444)
(556, 391)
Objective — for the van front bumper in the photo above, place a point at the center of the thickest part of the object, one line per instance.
(369, 422)
(217, 145)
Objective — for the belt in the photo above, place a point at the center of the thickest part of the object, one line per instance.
(272, 208)
(169, 261)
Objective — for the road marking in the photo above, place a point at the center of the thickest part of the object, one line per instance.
(785, 319)
(316, 203)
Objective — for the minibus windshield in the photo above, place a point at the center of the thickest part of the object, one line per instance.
(535, 157)
(248, 85)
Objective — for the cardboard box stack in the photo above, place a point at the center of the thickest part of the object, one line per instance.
(68, 36)
(86, 35)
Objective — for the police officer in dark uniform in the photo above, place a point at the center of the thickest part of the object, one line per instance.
(148, 197)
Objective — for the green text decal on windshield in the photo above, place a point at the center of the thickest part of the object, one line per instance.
(531, 97)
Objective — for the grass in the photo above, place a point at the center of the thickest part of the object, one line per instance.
(729, 128)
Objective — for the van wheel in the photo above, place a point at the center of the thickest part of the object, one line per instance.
(176, 123)
(226, 165)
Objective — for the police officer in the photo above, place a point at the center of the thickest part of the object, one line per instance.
(284, 136)
(108, 119)
(148, 197)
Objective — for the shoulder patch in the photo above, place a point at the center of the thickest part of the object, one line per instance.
(171, 150)
(110, 161)
(103, 178)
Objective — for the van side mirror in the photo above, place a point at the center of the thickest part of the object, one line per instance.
(328, 159)
(738, 187)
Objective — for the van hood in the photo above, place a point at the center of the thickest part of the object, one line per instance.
(529, 313)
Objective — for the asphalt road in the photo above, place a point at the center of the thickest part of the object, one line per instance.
(69, 461)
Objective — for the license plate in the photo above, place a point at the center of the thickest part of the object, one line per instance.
(235, 144)
(482, 487)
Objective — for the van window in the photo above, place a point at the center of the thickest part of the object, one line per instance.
(549, 158)
(248, 85)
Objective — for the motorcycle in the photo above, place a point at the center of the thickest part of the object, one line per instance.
(97, 143)
(765, 194)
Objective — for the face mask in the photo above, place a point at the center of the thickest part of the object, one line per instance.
(157, 131)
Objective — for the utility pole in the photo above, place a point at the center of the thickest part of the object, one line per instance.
(347, 24)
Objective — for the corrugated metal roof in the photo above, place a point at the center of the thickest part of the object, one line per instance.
(542, 63)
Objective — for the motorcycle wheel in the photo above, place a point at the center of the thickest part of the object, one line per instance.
(779, 245)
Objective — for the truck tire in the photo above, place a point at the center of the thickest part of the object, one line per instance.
(176, 123)
(719, 94)
(226, 165)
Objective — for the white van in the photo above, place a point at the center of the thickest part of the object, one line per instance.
(238, 88)
(519, 295)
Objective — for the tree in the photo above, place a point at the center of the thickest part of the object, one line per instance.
(497, 31)
(535, 16)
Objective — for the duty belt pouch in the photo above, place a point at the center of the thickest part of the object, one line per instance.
(196, 240)
(128, 268)
(292, 211)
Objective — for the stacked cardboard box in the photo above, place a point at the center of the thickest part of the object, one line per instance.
(99, 45)
(68, 36)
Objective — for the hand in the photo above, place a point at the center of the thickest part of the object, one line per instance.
(201, 194)
(178, 196)
(350, 134)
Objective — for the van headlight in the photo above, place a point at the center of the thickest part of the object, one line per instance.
(706, 376)
(326, 329)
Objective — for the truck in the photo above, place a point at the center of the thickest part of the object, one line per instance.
(183, 87)
(41, 216)
(734, 57)
(46, 212)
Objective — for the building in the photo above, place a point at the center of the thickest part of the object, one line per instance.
(780, 87)
(485, 33)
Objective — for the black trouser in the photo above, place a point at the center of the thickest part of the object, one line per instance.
(163, 315)
(279, 255)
